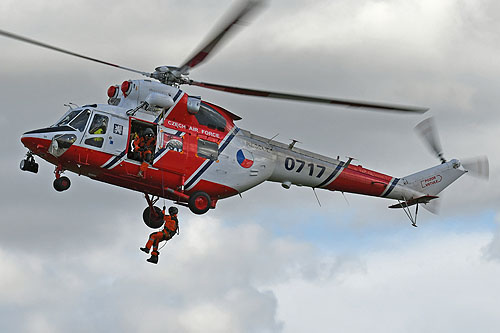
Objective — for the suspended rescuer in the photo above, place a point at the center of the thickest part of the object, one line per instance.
(170, 228)
(144, 145)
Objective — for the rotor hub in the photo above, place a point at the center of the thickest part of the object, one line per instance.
(170, 75)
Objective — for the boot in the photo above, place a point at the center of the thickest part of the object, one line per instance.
(153, 259)
(145, 249)
(142, 170)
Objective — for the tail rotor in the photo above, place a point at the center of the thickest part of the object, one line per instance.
(476, 166)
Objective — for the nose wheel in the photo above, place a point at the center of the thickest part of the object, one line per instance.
(61, 183)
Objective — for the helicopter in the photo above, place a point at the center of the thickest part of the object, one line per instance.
(200, 155)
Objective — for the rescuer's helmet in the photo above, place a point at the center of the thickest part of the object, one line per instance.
(149, 132)
(173, 210)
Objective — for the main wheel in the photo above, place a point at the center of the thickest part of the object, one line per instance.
(152, 219)
(199, 203)
(62, 183)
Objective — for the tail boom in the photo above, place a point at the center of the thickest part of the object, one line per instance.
(292, 165)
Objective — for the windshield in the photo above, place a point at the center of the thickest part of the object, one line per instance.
(67, 117)
(80, 121)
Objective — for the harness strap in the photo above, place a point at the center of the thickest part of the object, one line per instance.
(168, 234)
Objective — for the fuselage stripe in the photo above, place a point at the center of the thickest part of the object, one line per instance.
(52, 130)
(193, 180)
(159, 152)
(334, 173)
(115, 160)
(389, 190)
(179, 92)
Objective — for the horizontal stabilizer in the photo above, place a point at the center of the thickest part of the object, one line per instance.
(420, 200)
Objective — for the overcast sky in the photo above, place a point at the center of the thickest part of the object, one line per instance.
(272, 261)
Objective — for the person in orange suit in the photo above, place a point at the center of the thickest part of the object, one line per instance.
(170, 228)
(144, 145)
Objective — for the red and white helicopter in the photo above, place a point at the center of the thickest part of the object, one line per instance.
(201, 156)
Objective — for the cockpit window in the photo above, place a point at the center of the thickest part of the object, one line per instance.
(67, 117)
(99, 124)
(209, 117)
(80, 121)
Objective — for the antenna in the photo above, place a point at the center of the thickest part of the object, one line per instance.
(316, 195)
(271, 139)
(343, 194)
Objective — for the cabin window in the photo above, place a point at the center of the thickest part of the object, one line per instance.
(208, 149)
(80, 121)
(95, 142)
(208, 116)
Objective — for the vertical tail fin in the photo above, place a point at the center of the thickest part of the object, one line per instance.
(434, 180)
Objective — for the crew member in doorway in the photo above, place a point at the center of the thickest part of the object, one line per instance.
(145, 145)
(170, 228)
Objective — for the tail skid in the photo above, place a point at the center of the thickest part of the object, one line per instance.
(416, 201)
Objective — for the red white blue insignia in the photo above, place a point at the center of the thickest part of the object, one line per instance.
(244, 158)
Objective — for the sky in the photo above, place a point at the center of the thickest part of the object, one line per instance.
(273, 260)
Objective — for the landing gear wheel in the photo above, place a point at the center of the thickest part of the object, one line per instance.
(62, 183)
(154, 220)
(199, 203)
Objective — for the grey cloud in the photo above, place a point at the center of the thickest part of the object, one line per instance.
(209, 273)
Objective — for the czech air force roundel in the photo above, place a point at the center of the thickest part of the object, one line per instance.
(244, 158)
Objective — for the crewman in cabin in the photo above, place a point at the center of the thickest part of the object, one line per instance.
(170, 228)
(145, 145)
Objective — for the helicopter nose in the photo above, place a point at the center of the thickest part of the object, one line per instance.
(35, 143)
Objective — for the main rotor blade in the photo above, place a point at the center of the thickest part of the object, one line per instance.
(232, 19)
(54, 48)
(428, 131)
(303, 98)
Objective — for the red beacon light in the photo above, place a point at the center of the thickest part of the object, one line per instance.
(126, 88)
(113, 91)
